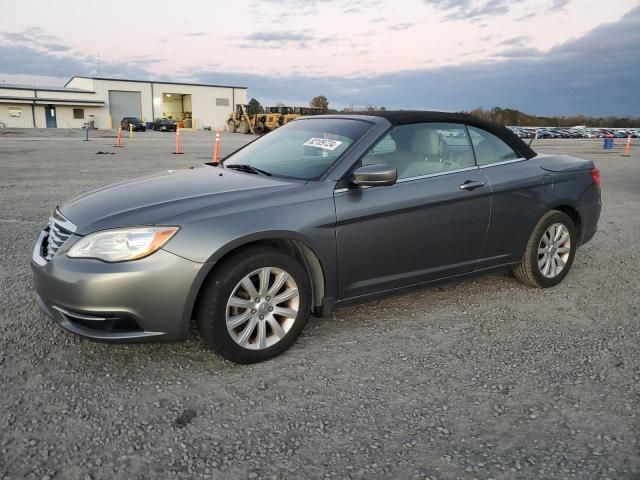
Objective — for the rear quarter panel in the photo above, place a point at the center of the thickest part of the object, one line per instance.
(524, 191)
(521, 192)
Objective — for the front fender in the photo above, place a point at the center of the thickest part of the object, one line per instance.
(309, 220)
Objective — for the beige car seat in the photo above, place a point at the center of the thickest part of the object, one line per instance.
(426, 154)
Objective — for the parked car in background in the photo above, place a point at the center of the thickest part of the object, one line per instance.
(164, 125)
(138, 125)
(543, 133)
(321, 212)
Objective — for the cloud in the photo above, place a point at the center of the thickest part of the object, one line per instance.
(401, 26)
(284, 40)
(279, 36)
(35, 38)
(473, 9)
(34, 52)
(525, 17)
(595, 75)
(557, 6)
(309, 7)
(521, 40)
(195, 34)
(520, 52)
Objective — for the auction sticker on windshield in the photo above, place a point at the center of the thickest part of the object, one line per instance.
(324, 143)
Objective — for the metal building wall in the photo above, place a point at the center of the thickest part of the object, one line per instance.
(24, 121)
(102, 87)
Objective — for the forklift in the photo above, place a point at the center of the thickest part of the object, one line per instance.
(245, 120)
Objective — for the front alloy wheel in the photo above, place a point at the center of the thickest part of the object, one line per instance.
(262, 308)
(255, 304)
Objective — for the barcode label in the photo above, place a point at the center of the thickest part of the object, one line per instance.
(324, 143)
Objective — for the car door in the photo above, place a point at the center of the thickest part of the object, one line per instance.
(519, 188)
(431, 224)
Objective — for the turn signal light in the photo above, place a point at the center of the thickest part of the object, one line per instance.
(595, 174)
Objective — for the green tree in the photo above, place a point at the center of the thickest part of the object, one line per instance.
(255, 107)
(320, 102)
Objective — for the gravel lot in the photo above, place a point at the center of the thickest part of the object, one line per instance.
(480, 379)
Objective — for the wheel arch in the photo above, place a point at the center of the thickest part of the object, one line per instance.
(570, 210)
(291, 244)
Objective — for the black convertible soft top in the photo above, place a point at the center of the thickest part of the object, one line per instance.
(405, 117)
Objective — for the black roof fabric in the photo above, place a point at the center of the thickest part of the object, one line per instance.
(406, 117)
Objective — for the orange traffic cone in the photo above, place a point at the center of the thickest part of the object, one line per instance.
(627, 147)
(216, 147)
(178, 145)
(119, 138)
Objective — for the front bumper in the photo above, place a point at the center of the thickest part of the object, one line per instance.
(143, 300)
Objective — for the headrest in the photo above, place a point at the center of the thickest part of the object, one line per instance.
(426, 143)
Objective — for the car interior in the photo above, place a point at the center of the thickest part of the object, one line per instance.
(416, 150)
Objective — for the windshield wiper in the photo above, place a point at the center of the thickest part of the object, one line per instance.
(245, 167)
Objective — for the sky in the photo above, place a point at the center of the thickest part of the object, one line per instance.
(546, 57)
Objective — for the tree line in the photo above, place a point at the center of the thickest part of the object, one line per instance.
(508, 116)
(320, 102)
(504, 116)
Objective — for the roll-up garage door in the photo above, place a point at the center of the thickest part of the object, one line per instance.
(124, 104)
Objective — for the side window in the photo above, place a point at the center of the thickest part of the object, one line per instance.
(489, 148)
(423, 149)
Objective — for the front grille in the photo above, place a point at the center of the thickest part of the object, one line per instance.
(58, 231)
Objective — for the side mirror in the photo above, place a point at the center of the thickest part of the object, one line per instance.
(374, 175)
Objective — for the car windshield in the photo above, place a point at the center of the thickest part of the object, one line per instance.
(303, 149)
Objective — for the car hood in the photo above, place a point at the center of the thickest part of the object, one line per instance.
(153, 199)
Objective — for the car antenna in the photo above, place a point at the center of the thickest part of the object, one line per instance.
(533, 138)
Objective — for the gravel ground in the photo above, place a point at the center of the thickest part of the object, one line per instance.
(480, 379)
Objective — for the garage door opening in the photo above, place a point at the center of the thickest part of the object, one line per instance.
(124, 104)
(177, 106)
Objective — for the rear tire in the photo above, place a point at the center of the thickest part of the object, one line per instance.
(250, 330)
(243, 127)
(550, 251)
(231, 126)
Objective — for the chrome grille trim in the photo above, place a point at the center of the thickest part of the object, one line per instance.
(57, 232)
(62, 221)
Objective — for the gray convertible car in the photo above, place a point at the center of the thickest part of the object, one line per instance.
(323, 211)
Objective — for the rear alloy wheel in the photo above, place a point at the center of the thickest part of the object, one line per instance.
(255, 305)
(553, 250)
(550, 251)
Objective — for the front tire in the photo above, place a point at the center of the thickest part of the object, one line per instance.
(231, 126)
(243, 127)
(255, 305)
(550, 251)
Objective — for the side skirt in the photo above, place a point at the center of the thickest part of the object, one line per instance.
(453, 278)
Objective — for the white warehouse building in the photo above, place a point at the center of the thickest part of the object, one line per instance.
(105, 101)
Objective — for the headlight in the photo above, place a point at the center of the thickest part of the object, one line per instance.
(122, 244)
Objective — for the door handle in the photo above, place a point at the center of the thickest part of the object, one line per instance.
(471, 185)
